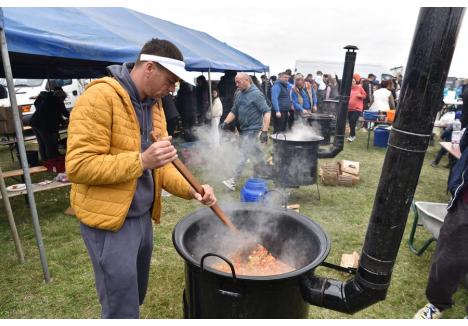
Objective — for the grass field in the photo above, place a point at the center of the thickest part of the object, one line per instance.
(342, 212)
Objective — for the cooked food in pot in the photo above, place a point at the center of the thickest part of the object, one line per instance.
(259, 262)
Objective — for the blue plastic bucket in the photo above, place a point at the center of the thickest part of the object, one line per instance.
(381, 135)
(253, 190)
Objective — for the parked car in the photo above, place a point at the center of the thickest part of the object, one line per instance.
(27, 91)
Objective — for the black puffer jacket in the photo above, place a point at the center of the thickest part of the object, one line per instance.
(50, 111)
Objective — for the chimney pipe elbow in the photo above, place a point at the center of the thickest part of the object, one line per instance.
(348, 297)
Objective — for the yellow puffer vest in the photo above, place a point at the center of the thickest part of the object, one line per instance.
(103, 160)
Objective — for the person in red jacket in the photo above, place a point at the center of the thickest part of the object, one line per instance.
(355, 106)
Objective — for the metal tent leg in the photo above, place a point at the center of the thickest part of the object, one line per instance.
(22, 151)
(11, 219)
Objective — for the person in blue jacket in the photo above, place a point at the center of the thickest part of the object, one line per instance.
(281, 102)
(304, 100)
(450, 260)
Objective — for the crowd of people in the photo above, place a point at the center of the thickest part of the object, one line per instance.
(289, 96)
(240, 103)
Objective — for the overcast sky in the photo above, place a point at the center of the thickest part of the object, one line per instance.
(279, 32)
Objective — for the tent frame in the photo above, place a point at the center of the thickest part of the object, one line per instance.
(22, 152)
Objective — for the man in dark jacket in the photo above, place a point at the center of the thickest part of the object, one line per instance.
(3, 92)
(227, 89)
(186, 104)
(450, 260)
(368, 85)
(266, 88)
(48, 118)
(171, 113)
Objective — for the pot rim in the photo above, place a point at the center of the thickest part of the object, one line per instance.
(182, 226)
(279, 137)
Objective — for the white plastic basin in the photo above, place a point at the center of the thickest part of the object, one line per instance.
(431, 215)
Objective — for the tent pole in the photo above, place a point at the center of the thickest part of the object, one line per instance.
(11, 219)
(209, 89)
(22, 151)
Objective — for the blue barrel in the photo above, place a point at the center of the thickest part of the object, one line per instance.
(253, 190)
(381, 135)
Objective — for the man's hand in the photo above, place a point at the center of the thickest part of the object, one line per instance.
(208, 197)
(158, 154)
(314, 109)
(263, 137)
(224, 126)
(278, 114)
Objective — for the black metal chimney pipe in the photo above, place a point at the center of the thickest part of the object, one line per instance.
(345, 90)
(420, 98)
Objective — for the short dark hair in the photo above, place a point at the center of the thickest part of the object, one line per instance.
(162, 48)
(319, 73)
(371, 76)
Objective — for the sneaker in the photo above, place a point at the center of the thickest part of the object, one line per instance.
(351, 138)
(230, 184)
(428, 312)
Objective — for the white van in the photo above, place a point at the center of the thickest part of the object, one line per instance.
(27, 91)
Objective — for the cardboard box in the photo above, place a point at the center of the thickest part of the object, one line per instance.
(354, 177)
(350, 167)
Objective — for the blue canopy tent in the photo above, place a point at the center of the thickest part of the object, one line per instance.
(81, 42)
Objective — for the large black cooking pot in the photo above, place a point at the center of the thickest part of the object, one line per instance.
(209, 293)
(330, 107)
(326, 123)
(295, 160)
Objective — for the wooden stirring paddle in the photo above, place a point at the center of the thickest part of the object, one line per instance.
(198, 188)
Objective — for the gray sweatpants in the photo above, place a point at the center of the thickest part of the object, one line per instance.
(121, 263)
(450, 260)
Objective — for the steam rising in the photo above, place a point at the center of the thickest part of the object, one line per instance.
(216, 162)
(301, 132)
(288, 243)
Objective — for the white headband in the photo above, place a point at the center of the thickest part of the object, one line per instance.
(161, 60)
(177, 67)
